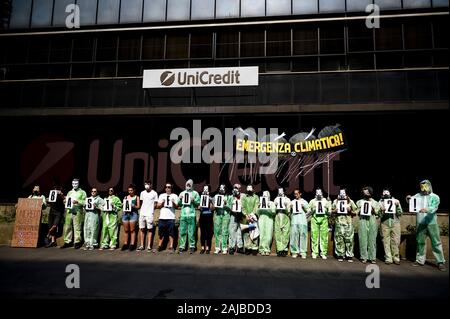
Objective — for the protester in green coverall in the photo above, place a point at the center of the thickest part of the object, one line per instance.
(222, 221)
(110, 222)
(282, 223)
(266, 215)
(390, 227)
(368, 226)
(320, 209)
(299, 225)
(235, 233)
(426, 223)
(73, 221)
(250, 203)
(91, 220)
(343, 227)
(187, 218)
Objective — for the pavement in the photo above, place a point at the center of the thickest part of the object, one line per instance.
(41, 273)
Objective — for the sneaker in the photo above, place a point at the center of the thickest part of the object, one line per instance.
(216, 251)
(125, 247)
(91, 248)
(324, 257)
(224, 252)
(112, 248)
(171, 251)
(191, 251)
(77, 245)
(140, 248)
(442, 267)
(240, 250)
(373, 261)
(254, 252)
(160, 249)
(363, 261)
(350, 259)
(202, 251)
(51, 244)
(153, 250)
(303, 256)
(314, 256)
(207, 251)
(340, 259)
(65, 245)
(132, 247)
(231, 251)
(294, 255)
(416, 264)
(388, 262)
(86, 247)
(397, 262)
(180, 250)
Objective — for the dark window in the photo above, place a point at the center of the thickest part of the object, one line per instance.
(105, 70)
(440, 33)
(305, 41)
(58, 71)
(16, 50)
(440, 59)
(129, 47)
(227, 44)
(333, 63)
(39, 50)
(360, 61)
(276, 66)
(83, 49)
(279, 42)
(153, 46)
(306, 64)
(360, 38)
(177, 46)
(389, 37)
(417, 35)
(417, 59)
(129, 69)
(331, 39)
(82, 70)
(106, 48)
(201, 45)
(38, 71)
(252, 43)
(389, 60)
(60, 49)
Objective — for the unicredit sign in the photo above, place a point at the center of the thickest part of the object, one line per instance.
(177, 78)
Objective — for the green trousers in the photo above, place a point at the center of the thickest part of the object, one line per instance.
(319, 235)
(343, 239)
(436, 245)
(73, 225)
(221, 230)
(235, 234)
(187, 227)
(265, 224)
(109, 230)
(91, 221)
(391, 241)
(282, 229)
(299, 239)
(367, 234)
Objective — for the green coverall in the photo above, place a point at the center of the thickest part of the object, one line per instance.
(110, 222)
(319, 227)
(299, 228)
(282, 224)
(249, 206)
(91, 223)
(222, 223)
(343, 231)
(74, 216)
(368, 230)
(391, 231)
(187, 219)
(265, 224)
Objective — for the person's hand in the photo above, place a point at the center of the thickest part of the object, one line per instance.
(75, 202)
(251, 226)
(423, 210)
(408, 198)
(397, 202)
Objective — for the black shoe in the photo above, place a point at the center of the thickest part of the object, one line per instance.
(240, 250)
(160, 249)
(125, 247)
(132, 247)
(416, 264)
(180, 250)
(65, 245)
(77, 245)
(248, 252)
(51, 244)
(202, 251)
(254, 252)
(231, 251)
(208, 252)
(442, 267)
(191, 251)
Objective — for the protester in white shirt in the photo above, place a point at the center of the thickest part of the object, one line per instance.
(148, 202)
(167, 202)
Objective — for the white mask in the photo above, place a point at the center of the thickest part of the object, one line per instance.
(342, 194)
(319, 193)
(222, 189)
(266, 194)
(205, 190)
(75, 184)
(280, 192)
(189, 184)
(250, 188)
(147, 186)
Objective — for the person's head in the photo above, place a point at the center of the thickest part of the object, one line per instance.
(297, 194)
(236, 189)
(111, 191)
(319, 194)
(36, 190)
(367, 192)
(205, 190)
(250, 189)
(342, 194)
(148, 185)
(189, 184)
(222, 189)
(131, 189)
(94, 192)
(75, 183)
(425, 187)
(280, 192)
(168, 188)
(386, 194)
(266, 194)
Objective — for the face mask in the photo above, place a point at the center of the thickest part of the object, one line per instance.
(35, 193)
(222, 189)
(266, 194)
(342, 194)
(236, 192)
(205, 190)
(280, 192)
(386, 194)
(147, 187)
(189, 184)
(424, 188)
(75, 184)
(319, 194)
(250, 189)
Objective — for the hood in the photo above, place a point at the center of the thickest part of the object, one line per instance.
(430, 190)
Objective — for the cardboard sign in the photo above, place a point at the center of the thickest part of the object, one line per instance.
(167, 202)
(107, 207)
(279, 202)
(389, 205)
(416, 204)
(320, 209)
(237, 208)
(127, 205)
(186, 200)
(219, 201)
(90, 203)
(297, 207)
(342, 207)
(263, 202)
(28, 220)
(366, 208)
(53, 196)
(204, 201)
(69, 202)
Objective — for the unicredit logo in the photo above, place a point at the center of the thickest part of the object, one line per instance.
(167, 78)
